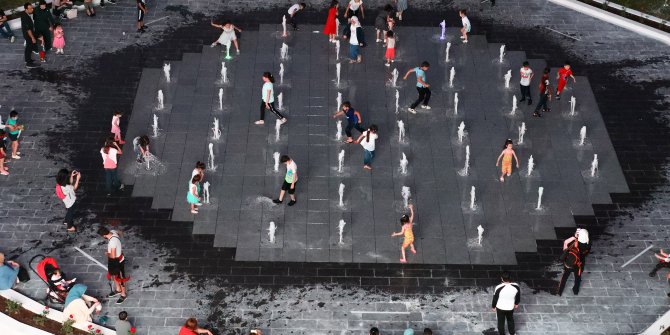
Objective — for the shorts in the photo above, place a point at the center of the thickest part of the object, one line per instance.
(287, 187)
(13, 137)
(140, 15)
(390, 53)
(116, 270)
(88, 6)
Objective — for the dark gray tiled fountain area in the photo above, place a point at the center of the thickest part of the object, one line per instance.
(446, 228)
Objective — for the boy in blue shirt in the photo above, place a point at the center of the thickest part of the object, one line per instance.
(354, 120)
(421, 86)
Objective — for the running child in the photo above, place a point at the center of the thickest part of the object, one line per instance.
(406, 222)
(354, 120)
(506, 156)
(116, 127)
(562, 77)
(390, 48)
(421, 86)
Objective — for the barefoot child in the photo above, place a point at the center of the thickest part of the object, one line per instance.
(562, 76)
(407, 222)
(193, 195)
(390, 48)
(466, 25)
(506, 156)
(116, 127)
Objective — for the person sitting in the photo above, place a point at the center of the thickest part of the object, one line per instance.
(59, 282)
(77, 304)
(9, 272)
(190, 327)
(59, 6)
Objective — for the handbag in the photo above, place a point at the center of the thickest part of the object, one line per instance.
(71, 13)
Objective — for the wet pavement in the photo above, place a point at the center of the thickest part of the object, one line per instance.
(67, 107)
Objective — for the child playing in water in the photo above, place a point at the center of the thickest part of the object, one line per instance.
(141, 147)
(506, 156)
(116, 127)
(193, 195)
(407, 222)
(390, 48)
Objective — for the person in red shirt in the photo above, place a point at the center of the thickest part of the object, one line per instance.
(190, 327)
(562, 77)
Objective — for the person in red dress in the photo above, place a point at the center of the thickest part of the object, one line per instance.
(331, 26)
(562, 77)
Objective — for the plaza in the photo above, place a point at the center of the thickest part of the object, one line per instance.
(311, 275)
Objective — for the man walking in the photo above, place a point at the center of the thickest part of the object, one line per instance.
(115, 263)
(505, 301)
(28, 29)
(526, 76)
(421, 86)
(289, 181)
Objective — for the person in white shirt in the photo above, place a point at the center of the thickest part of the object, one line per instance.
(115, 263)
(66, 185)
(466, 25)
(526, 74)
(356, 8)
(367, 140)
(293, 12)
(505, 301)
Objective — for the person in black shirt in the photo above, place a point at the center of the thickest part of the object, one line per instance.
(5, 30)
(572, 263)
(28, 29)
(44, 23)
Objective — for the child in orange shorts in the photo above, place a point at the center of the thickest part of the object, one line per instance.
(407, 222)
(506, 156)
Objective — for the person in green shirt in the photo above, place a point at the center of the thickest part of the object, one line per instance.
(14, 132)
(289, 181)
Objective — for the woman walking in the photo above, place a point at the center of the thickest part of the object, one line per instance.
(331, 25)
(268, 99)
(367, 140)
(356, 40)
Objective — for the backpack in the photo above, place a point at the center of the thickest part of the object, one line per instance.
(59, 192)
(577, 263)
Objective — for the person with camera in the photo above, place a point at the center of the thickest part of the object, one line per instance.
(66, 184)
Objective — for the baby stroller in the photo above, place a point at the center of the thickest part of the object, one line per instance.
(44, 268)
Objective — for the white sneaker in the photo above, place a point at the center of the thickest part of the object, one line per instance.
(378, 40)
(213, 45)
(12, 39)
(465, 41)
(425, 106)
(411, 110)
(387, 64)
(259, 122)
(462, 37)
(284, 120)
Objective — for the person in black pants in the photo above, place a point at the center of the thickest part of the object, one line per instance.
(293, 13)
(268, 99)
(571, 264)
(505, 300)
(421, 86)
(354, 120)
(28, 29)
(545, 94)
(44, 23)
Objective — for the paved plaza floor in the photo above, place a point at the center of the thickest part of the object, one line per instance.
(219, 265)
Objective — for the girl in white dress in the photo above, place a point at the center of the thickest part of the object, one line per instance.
(228, 35)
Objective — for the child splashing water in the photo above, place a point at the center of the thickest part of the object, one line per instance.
(406, 222)
(506, 156)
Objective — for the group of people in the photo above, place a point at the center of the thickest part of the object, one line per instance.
(42, 28)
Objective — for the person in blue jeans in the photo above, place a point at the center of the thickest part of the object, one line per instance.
(421, 86)
(367, 140)
(354, 120)
(5, 30)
